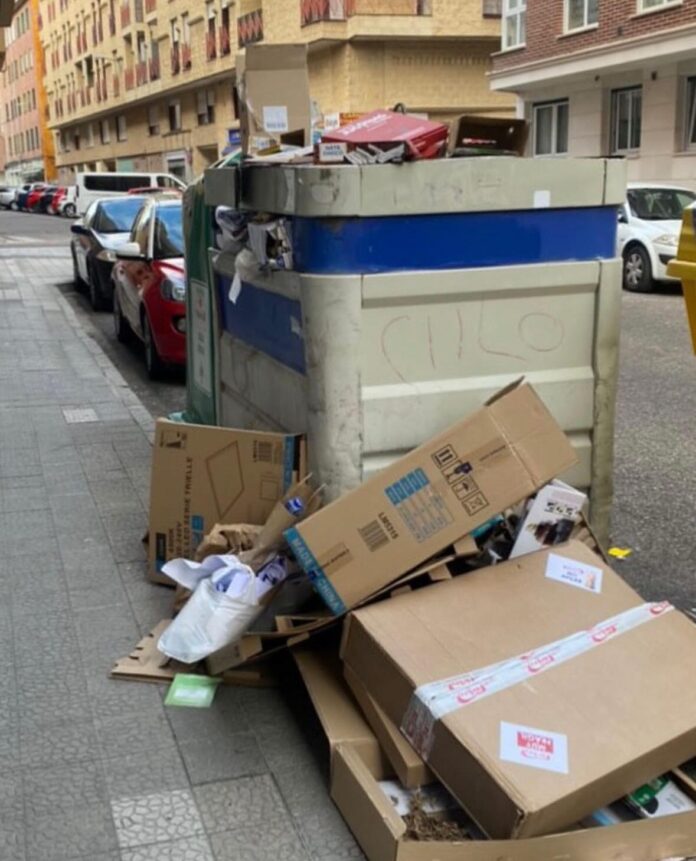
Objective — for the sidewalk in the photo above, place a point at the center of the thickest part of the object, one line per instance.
(93, 768)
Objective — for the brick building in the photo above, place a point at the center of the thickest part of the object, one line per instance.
(147, 84)
(21, 158)
(600, 77)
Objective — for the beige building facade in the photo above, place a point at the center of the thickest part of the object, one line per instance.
(147, 85)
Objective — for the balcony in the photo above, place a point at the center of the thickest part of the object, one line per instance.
(175, 59)
(250, 28)
(154, 68)
(141, 73)
(210, 45)
(186, 56)
(325, 10)
(129, 79)
(225, 46)
(125, 16)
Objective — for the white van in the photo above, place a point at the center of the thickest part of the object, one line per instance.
(92, 186)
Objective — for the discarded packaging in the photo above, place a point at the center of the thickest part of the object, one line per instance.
(204, 475)
(550, 519)
(191, 691)
(385, 129)
(472, 135)
(660, 797)
(421, 503)
(508, 685)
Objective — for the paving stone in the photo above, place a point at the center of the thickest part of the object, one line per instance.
(187, 849)
(134, 733)
(233, 804)
(237, 755)
(83, 831)
(51, 742)
(144, 772)
(156, 818)
(276, 840)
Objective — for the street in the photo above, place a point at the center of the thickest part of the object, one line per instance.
(97, 769)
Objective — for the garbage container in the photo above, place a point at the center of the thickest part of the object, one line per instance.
(684, 267)
(418, 290)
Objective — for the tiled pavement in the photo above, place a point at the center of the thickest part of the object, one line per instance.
(92, 768)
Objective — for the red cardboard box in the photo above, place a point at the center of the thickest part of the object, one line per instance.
(423, 138)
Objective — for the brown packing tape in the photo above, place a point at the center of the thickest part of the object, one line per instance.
(380, 830)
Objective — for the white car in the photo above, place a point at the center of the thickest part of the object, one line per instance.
(649, 226)
(7, 195)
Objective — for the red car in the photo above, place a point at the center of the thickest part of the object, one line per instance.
(149, 281)
(60, 194)
(34, 196)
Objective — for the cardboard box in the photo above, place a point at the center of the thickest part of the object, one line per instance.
(407, 764)
(550, 518)
(540, 737)
(423, 138)
(273, 96)
(204, 475)
(380, 831)
(431, 497)
(488, 135)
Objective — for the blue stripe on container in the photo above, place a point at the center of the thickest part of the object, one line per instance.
(333, 246)
(315, 572)
(263, 320)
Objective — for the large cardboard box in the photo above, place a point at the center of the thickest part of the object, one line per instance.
(561, 690)
(428, 499)
(273, 96)
(204, 475)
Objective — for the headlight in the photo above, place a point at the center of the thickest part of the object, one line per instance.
(174, 289)
(107, 256)
(667, 239)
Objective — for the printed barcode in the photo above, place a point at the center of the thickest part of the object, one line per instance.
(264, 451)
(374, 535)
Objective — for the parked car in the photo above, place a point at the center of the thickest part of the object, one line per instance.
(58, 195)
(149, 282)
(106, 225)
(7, 195)
(67, 205)
(154, 189)
(46, 198)
(33, 197)
(93, 186)
(20, 201)
(648, 235)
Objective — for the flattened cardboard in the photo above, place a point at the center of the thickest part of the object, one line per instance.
(380, 830)
(274, 101)
(205, 475)
(337, 713)
(420, 504)
(627, 707)
(407, 764)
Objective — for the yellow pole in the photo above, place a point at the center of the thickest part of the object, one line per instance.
(47, 144)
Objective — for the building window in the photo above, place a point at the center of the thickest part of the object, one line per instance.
(90, 135)
(174, 113)
(153, 120)
(550, 128)
(647, 5)
(580, 14)
(626, 111)
(121, 127)
(205, 107)
(104, 134)
(514, 19)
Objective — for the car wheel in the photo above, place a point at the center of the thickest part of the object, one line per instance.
(637, 271)
(122, 328)
(69, 210)
(13, 206)
(153, 363)
(97, 299)
(77, 281)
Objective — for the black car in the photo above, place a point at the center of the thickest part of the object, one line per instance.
(46, 198)
(105, 225)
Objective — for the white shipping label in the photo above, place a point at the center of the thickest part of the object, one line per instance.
(199, 338)
(275, 119)
(542, 199)
(536, 748)
(574, 573)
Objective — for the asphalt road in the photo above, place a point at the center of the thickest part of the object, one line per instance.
(162, 397)
(655, 460)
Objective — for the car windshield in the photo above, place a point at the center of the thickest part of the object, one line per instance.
(169, 233)
(659, 204)
(117, 216)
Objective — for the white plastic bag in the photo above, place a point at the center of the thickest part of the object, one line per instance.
(209, 621)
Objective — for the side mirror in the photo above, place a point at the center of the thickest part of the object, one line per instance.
(79, 228)
(623, 219)
(129, 251)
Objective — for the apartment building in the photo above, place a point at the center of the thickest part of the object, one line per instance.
(21, 158)
(605, 77)
(148, 84)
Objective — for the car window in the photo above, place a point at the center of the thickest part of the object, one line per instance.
(141, 229)
(118, 215)
(659, 204)
(169, 233)
(89, 214)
